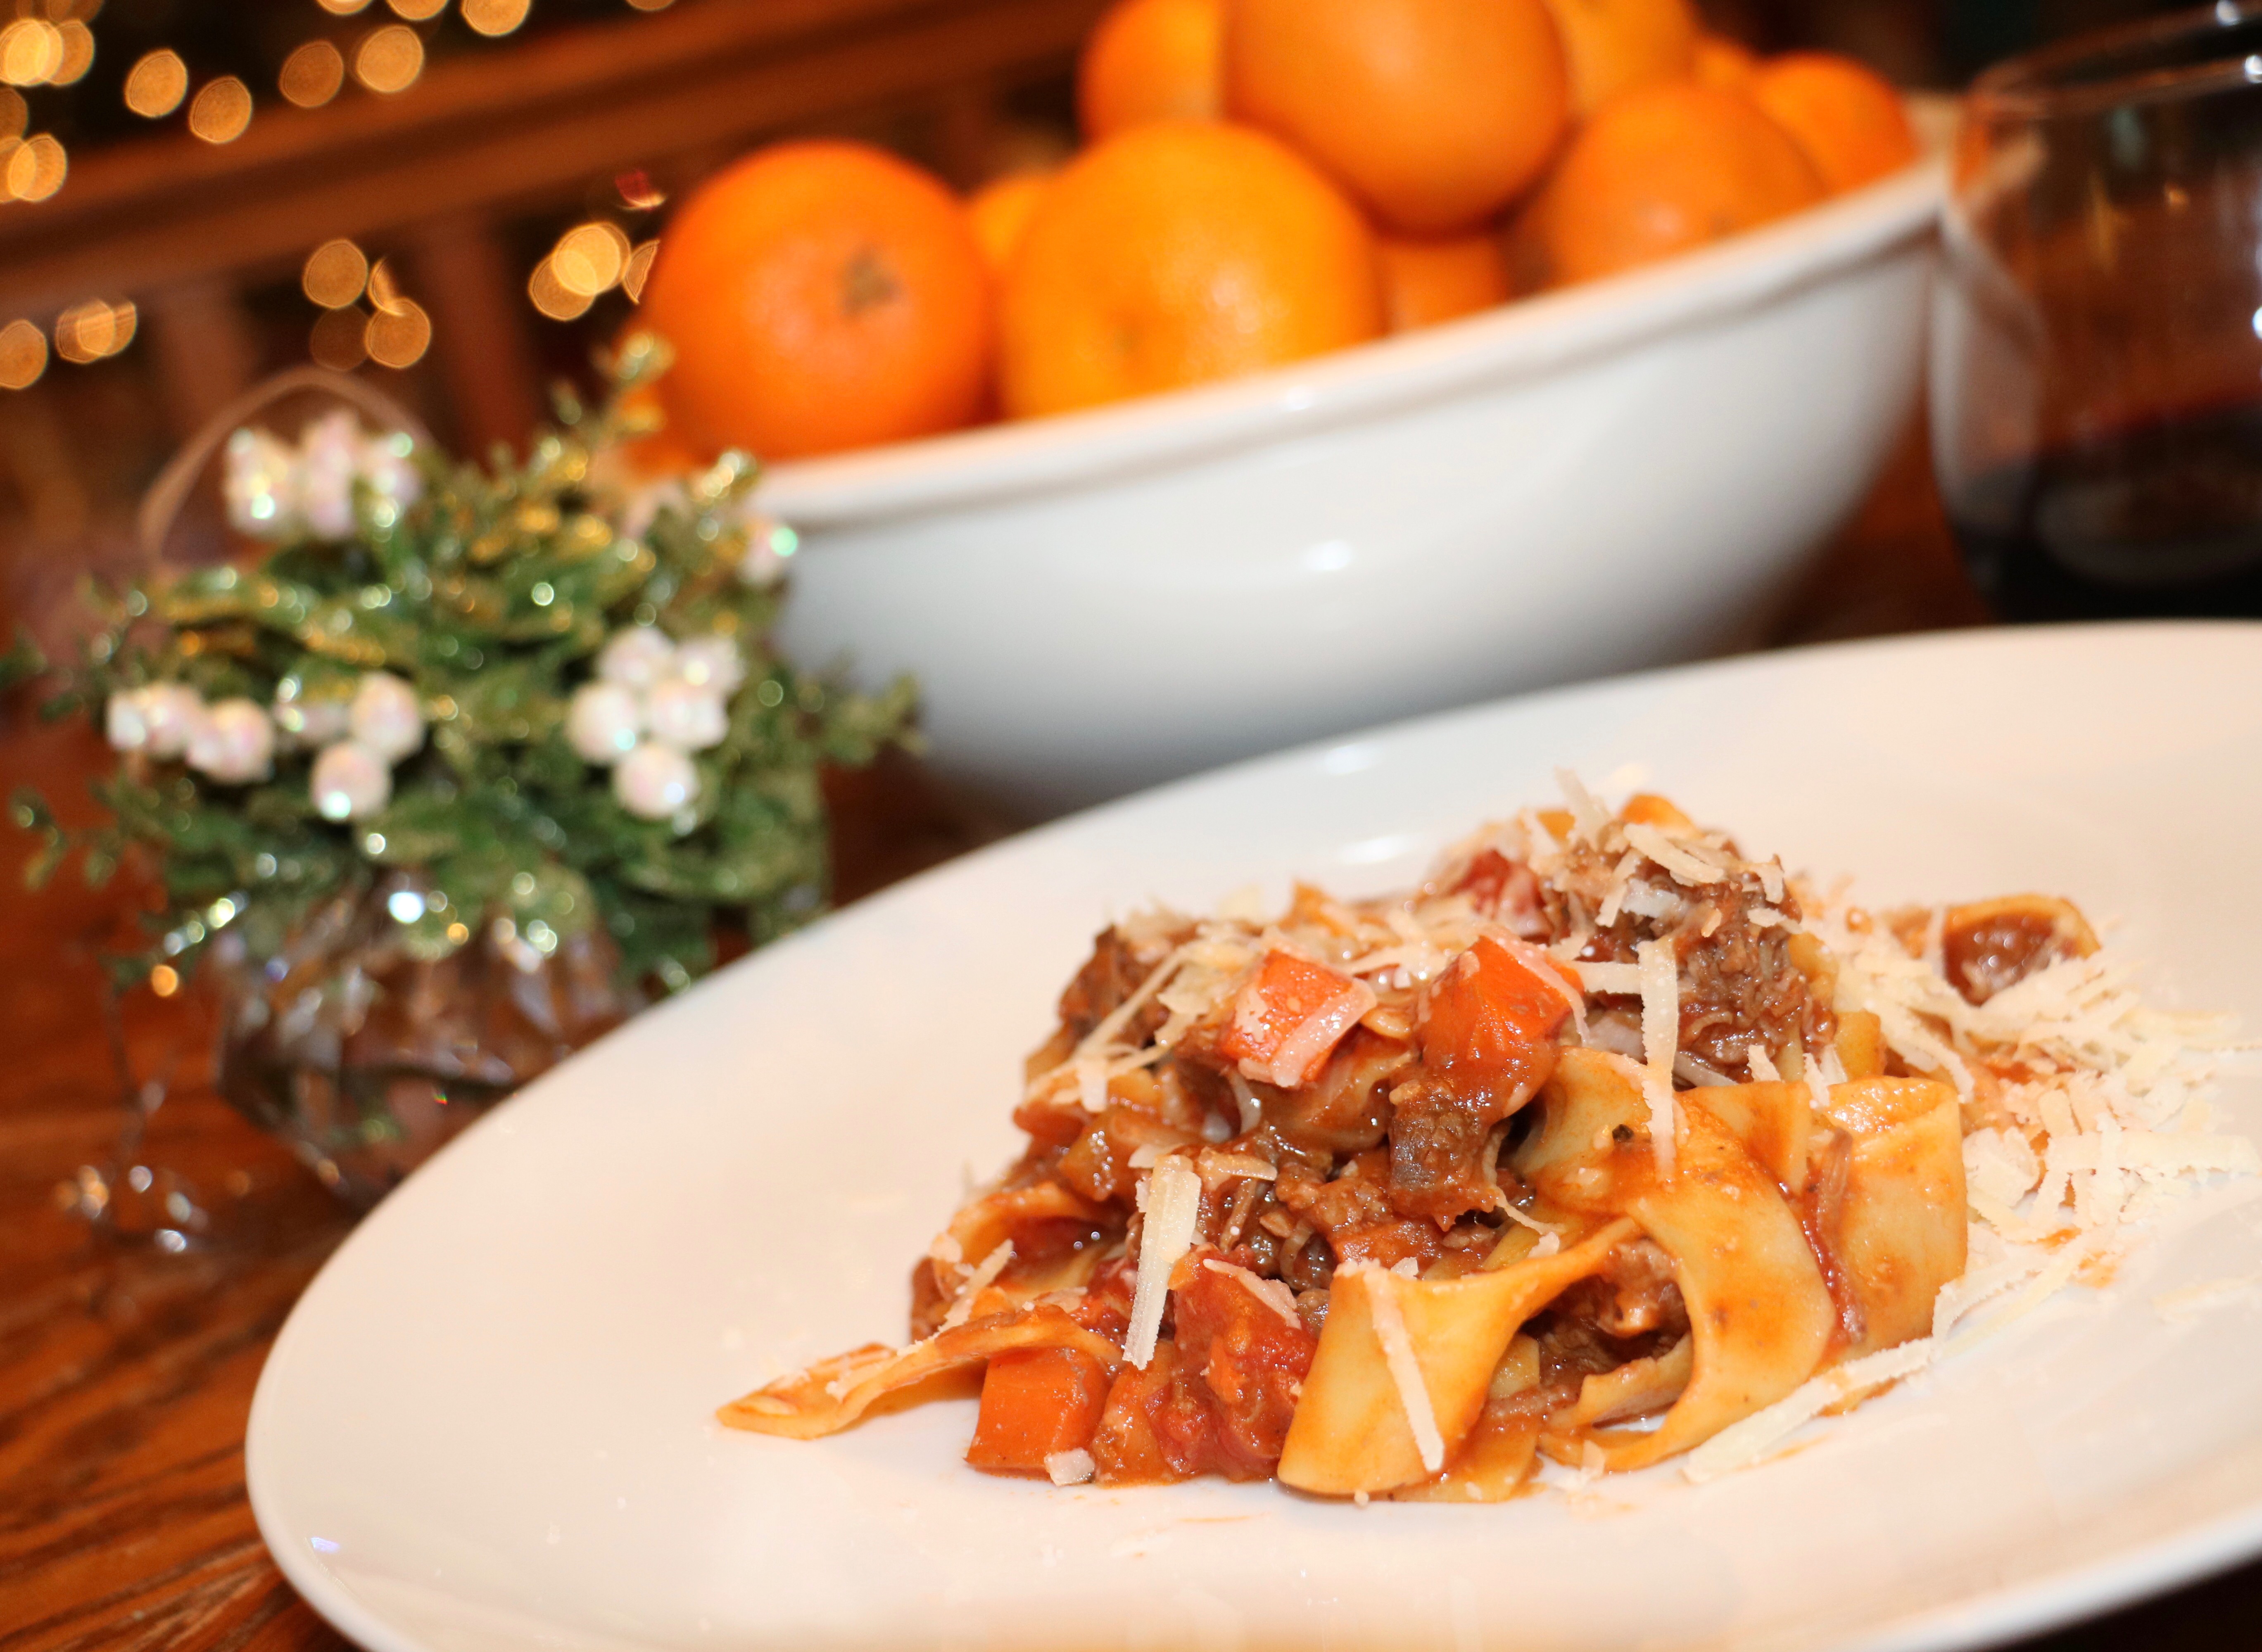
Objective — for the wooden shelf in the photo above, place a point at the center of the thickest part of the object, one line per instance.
(525, 128)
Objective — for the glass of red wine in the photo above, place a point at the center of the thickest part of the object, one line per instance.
(2097, 326)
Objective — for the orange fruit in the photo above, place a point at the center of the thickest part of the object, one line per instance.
(999, 212)
(1614, 45)
(1180, 251)
(1436, 114)
(1659, 170)
(1721, 61)
(1850, 122)
(1150, 60)
(820, 295)
(1426, 282)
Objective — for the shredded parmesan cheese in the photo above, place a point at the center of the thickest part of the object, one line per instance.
(1405, 1369)
(1308, 1042)
(1660, 1038)
(1741, 1444)
(2181, 1307)
(1173, 1206)
(1684, 864)
(1589, 819)
(1068, 1468)
(1616, 980)
(979, 1279)
(1252, 1113)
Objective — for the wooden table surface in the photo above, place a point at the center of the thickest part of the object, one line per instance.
(126, 1374)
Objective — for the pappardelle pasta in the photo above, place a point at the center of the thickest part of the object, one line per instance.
(1607, 1145)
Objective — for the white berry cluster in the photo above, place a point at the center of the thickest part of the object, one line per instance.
(278, 490)
(234, 741)
(653, 703)
(353, 770)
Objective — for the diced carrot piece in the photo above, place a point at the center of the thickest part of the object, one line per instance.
(1491, 1012)
(1036, 1401)
(1285, 996)
(1647, 808)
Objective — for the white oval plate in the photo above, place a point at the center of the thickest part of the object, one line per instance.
(488, 1423)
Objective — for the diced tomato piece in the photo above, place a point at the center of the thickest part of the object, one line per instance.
(1491, 1013)
(1504, 889)
(1127, 1449)
(1036, 1401)
(1487, 878)
(1252, 1359)
(1294, 1009)
(1217, 1398)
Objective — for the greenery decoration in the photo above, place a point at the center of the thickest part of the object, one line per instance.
(490, 593)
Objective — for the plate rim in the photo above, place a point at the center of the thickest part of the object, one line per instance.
(2062, 1595)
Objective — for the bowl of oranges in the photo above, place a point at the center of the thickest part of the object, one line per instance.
(1371, 356)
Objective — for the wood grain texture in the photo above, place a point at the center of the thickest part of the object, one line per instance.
(125, 1376)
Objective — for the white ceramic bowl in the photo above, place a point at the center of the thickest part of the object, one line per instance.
(1615, 475)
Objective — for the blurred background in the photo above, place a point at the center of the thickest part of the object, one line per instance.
(459, 198)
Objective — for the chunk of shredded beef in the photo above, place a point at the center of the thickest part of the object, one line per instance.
(1636, 1295)
(1737, 977)
(1118, 966)
(1355, 1215)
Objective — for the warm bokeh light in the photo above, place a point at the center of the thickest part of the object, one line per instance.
(78, 54)
(15, 114)
(390, 59)
(638, 268)
(23, 354)
(552, 298)
(652, 5)
(221, 110)
(312, 74)
(588, 258)
(494, 16)
(155, 86)
(398, 336)
(336, 273)
(337, 341)
(35, 169)
(342, 8)
(384, 288)
(418, 11)
(31, 52)
(90, 331)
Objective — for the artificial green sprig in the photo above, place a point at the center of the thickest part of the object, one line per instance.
(489, 591)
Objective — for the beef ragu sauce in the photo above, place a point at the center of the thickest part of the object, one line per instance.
(1237, 1120)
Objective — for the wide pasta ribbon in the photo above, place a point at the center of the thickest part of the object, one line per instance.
(1394, 1347)
(833, 1393)
(1759, 1312)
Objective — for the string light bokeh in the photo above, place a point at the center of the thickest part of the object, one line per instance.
(375, 48)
